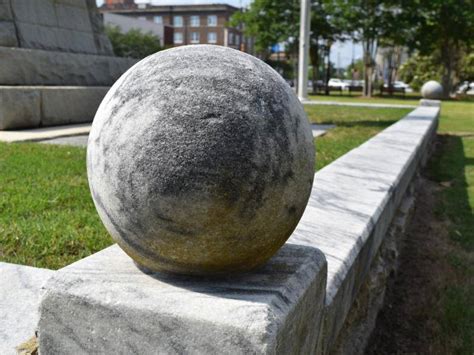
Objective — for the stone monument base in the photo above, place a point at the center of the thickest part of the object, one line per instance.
(104, 303)
(43, 106)
(22, 66)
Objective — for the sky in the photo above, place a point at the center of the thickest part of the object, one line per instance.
(341, 53)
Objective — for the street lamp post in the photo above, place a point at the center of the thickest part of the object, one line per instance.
(305, 22)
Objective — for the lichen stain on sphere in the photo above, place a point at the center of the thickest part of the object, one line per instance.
(200, 161)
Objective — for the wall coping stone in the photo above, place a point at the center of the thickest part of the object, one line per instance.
(352, 204)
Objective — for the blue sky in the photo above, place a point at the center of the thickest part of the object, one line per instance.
(341, 53)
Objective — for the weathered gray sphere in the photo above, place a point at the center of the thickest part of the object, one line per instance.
(432, 90)
(200, 160)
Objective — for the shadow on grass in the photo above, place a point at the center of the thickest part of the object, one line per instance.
(448, 167)
(364, 123)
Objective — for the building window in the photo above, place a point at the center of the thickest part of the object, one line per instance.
(142, 18)
(231, 38)
(178, 38)
(178, 21)
(237, 40)
(194, 37)
(158, 20)
(142, 6)
(212, 20)
(194, 21)
(212, 37)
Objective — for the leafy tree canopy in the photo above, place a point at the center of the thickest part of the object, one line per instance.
(134, 43)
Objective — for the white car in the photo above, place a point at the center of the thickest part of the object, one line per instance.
(466, 88)
(338, 83)
(398, 85)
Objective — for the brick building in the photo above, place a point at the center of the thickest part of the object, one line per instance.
(191, 24)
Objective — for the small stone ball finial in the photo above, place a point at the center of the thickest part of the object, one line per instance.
(432, 90)
(200, 161)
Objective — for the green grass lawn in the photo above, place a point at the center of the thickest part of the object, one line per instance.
(354, 125)
(47, 218)
(453, 168)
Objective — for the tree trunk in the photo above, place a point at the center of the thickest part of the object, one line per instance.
(328, 69)
(368, 81)
(314, 56)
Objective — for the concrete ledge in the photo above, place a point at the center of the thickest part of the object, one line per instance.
(353, 203)
(41, 134)
(35, 106)
(270, 311)
(21, 288)
(22, 66)
(105, 304)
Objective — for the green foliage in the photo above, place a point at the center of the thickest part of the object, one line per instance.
(134, 43)
(356, 67)
(269, 22)
(418, 70)
(466, 71)
(442, 30)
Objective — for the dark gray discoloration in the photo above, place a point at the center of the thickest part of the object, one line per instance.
(201, 156)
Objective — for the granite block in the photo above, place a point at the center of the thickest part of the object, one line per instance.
(7, 34)
(19, 108)
(5, 10)
(73, 17)
(21, 66)
(69, 105)
(39, 12)
(37, 36)
(34, 106)
(104, 303)
(21, 288)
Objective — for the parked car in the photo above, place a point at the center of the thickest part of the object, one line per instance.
(466, 88)
(399, 86)
(338, 83)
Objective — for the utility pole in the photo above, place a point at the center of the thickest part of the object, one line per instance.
(305, 24)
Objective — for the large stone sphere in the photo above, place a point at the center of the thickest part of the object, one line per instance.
(432, 90)
(200, 161)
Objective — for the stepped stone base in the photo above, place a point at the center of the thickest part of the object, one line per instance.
(22, 66)
(40, 106)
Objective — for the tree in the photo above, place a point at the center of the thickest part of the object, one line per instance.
(418, 70)
(269, 22)
(442, 30)
(369, 21)
(327, 26)
(133, 44)
(275, 21)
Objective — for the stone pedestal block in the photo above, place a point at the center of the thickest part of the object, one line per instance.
(105, 304)
(37, 67)
(35, 106)
(19, 108)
